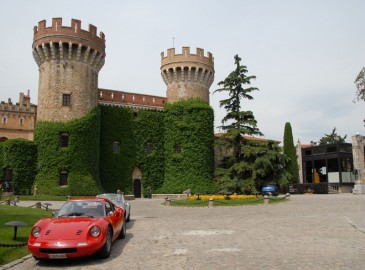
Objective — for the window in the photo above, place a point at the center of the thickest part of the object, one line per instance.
(64, 140)
(66, 100)
(63, 178)
(178, 148)
(5, 120)
(116, 147)
(21, 121)
(149, 147)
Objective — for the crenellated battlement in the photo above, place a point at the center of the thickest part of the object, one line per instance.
(187, 75)
(74, 33)
(187, 58)
(60, 42)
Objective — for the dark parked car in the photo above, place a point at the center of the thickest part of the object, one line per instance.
(269, 189)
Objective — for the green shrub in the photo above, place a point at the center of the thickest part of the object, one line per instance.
(20, 156)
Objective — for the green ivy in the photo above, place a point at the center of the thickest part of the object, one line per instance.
(20, 156)
(116, 169)
(80, 158)
(189, 126)
(149, 129)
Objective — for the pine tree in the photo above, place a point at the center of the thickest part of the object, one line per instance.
(290, 151)
(236, 169)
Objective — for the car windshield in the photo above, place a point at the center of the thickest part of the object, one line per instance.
(117, 198)
(82, 208)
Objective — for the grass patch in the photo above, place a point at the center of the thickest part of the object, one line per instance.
(24, 214)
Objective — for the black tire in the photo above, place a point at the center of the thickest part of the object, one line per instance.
(129, 217)
(107, 248)
(123, 232)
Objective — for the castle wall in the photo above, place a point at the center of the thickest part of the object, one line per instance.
(17, 120)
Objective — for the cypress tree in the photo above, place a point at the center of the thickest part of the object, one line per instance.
(290, 151)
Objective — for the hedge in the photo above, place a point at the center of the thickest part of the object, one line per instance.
(20, 156)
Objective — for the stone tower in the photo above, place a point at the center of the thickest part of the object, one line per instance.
(69, 60)
(187, 75)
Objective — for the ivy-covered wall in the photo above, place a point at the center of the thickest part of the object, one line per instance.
(80, 158)
(149, 134)
(2, 161)
(189, 138)
(116, 167)
(20, 156)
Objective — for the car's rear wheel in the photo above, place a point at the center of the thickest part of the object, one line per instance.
(123, 232)
(129, 217)
(107, 248)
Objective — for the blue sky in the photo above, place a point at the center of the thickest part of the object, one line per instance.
(305, 54)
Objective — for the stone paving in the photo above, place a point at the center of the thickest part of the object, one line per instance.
(306, 232)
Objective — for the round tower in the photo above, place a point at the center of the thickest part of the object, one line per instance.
(187, 75)
(69, 61)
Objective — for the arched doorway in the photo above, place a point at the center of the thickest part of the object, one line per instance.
(137, 183)
(137, 188)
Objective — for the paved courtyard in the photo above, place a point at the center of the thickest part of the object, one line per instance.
(306, 232)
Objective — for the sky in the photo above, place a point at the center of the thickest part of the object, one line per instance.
(305, 54)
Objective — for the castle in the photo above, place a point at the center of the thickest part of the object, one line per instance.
(78, 120)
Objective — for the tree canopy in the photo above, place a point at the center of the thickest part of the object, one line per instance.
(332, 138)
(360, 85)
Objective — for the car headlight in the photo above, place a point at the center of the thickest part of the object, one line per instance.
(95, 231)
(36, 231)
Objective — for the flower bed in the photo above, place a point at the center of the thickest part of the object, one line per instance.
(221, 197)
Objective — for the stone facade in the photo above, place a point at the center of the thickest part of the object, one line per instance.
(17, 120)
(358, 151)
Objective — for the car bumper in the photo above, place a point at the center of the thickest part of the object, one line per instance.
(64, 249)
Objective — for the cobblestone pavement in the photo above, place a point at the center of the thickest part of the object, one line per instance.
(306, 232)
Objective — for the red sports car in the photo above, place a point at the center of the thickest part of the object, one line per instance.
(82, 227)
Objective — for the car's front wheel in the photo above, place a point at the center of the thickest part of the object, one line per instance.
(107, 248)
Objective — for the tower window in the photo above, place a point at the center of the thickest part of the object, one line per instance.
(63, 178)
(21, 121)
(5, 120)
(66, 100)
(64, 140)
(116, 147)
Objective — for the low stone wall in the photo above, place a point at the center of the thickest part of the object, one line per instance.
(170, 196)
(129, 197)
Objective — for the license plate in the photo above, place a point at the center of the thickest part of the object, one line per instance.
(57, 256)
